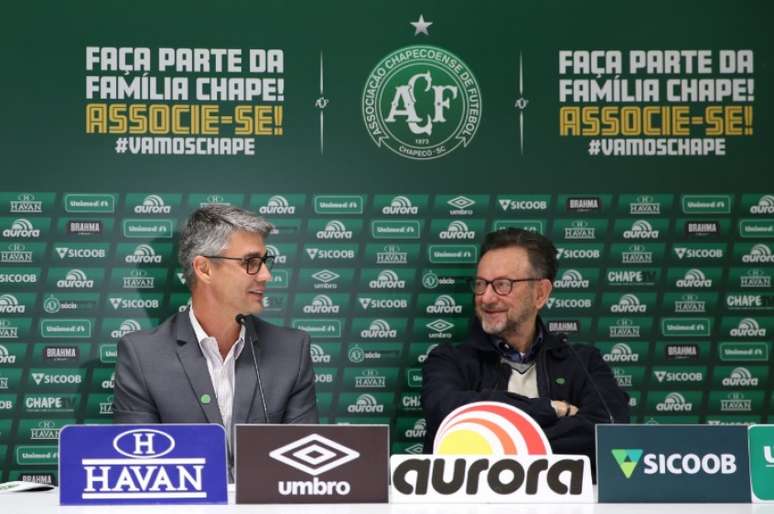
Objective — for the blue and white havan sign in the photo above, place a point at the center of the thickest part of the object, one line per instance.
(135, 464)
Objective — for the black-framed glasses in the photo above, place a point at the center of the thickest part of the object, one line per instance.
(501, 286)
(252, 264)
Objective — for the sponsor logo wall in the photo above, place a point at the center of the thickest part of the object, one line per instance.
(684, 320)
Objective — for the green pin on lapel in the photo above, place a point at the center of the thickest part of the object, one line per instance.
(205, 399)
(560, 380)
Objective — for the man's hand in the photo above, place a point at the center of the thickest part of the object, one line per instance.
(563, 408)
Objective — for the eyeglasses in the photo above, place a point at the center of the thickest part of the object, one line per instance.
(252, 265)
(501, 286)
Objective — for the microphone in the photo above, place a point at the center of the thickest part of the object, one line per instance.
(611, 419)
(250, 339)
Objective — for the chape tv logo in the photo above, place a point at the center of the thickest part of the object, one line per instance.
(314, 455)
(496, 453)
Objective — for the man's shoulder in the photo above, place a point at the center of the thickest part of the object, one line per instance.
(156, 336)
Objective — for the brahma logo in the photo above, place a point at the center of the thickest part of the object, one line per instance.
(444, 304)
(748, 327)
(740, 377)
(127, 327)
(143, 254)
(694, 278)
(641, 229)
(321, 304)
(765, 205)
(400, 205)
(152, 204)
(629, 303)
(387, 279)
(759, 254)
(621, 353)
(365, 404)
(334, 229)
(674, 402)
(76, 279)
(277, 204)
(496, 453)
(21, 228)
(571, 279)
(378, 328)
(9, 304)
(457, 230)
(314, 455)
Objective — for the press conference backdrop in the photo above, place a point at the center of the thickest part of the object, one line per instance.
(384, 140)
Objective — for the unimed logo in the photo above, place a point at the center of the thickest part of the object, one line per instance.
(314, 455)
(508, 452)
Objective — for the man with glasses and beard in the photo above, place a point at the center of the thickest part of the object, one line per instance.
(511, 357)
(216, 362)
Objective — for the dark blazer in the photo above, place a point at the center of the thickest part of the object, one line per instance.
(472, 372)
(161, 376)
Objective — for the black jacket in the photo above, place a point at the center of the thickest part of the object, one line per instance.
(454, 376)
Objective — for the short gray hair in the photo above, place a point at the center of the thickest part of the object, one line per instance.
(208, 230)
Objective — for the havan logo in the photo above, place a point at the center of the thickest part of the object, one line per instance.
(143, 473)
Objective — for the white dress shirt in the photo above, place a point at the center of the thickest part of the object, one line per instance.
(222, 371)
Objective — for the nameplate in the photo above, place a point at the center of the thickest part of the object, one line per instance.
(311, 463)
(142, 464)
(673, 463)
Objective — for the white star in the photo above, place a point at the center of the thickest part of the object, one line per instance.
(421, 26)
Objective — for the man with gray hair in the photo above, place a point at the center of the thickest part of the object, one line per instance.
(216, 362)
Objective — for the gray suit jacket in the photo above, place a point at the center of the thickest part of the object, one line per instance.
(161, 376)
